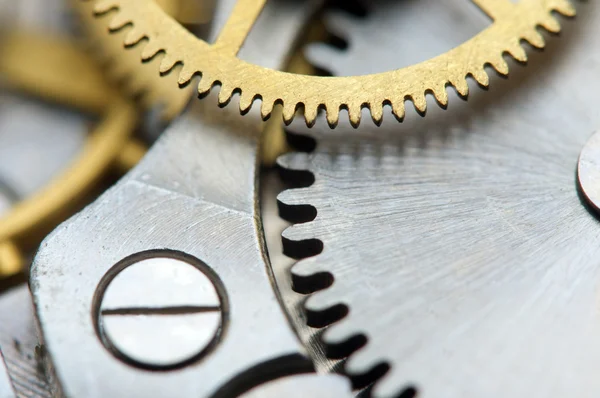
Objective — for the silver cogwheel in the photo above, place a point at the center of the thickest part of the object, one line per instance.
(455, 250)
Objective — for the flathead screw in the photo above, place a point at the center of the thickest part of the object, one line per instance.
(160, 312)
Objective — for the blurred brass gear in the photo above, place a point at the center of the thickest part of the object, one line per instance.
(218, 65)
(110, 145)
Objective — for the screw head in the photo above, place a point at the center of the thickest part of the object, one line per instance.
(160, 310)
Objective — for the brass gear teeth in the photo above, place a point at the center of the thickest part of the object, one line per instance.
(136, 81)
(513, 23)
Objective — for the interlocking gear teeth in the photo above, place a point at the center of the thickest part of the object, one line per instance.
(513, 23)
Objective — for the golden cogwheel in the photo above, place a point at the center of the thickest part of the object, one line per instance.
(110, 146)
(135, 80)
(218, 65)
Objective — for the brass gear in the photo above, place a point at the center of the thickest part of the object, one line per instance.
(135, 80)
(218, 65)
(110, 146)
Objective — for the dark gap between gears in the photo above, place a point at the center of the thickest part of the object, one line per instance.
(296, 214)
(346, 348)
(179, 310)
(300, 142)
(410, 392)
(353, 7)
(311, 284)
(365, 380)
(320, 319)
(296, 178)
(301, 249)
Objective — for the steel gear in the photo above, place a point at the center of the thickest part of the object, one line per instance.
(218, 65)
(459, 253)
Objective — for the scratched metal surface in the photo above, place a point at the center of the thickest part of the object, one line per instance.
(459, 241)
(18, 341)
(6, 389)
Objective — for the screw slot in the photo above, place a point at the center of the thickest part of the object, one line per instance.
(160, 310)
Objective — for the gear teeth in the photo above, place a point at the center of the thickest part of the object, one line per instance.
(363, 368)
(354, 114)
(148, 52)
(507, 42)
(133, 37)
(340, 22)
(398, 110)
(387, 386)
(322, 306)
(118, 22)
(481, 77)
(316, 52)
(167, 64)
(360, 362)
(139, 83)
(441, 96)
(299, 232)
(337, 333)
(517, 52)
(376, 113)
(294, 197)
(420, 104)
(308, 267)
(332, 117)
(104, 6)
(294, 161)
(500, 66)
(225, 95)
(310, 114)
(289, 111)
(461, 87)
(534, 38)
(245, 103)
(564, 7)
(204, 86)
(551, 24)
(186, 75)
(266, 108)
(322, 300)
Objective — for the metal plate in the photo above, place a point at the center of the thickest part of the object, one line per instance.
(459, 241)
